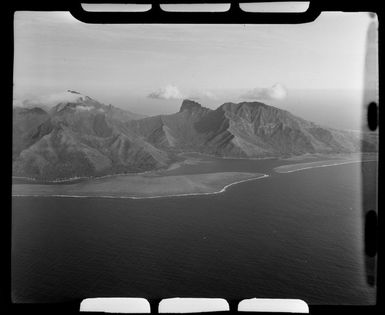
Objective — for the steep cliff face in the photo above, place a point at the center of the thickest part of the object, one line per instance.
(175, 131)
(189, 105)
(83, 137)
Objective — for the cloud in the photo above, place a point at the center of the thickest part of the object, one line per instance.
(50, 100)
(170, 92)
(275, 92)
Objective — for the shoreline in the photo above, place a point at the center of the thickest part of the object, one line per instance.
(309, 165)
(73, 179)
(276, 169)
(149, 197)
(178, 164)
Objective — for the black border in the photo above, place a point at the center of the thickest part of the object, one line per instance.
(156, 15)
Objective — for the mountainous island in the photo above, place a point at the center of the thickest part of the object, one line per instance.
(81, 137)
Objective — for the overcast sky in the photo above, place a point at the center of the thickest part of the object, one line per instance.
(150, 68)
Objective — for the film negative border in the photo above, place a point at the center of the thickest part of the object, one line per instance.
(156, 15)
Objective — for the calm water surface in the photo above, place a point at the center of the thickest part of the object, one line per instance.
(294, 235)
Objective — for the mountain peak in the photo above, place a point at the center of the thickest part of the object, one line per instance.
(73, 92)
(189, 105)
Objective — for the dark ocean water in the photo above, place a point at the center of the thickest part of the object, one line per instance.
(294, 235)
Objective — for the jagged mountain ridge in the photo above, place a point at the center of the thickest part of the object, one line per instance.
(83, 137)
(248, 129)
(78, 138)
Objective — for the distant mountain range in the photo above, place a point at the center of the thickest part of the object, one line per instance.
(83, 137)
